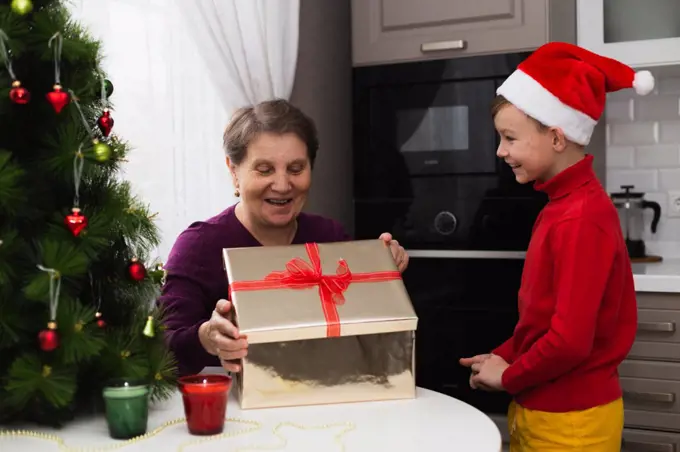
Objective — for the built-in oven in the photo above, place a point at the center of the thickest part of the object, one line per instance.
(425, 165)
(452, 213)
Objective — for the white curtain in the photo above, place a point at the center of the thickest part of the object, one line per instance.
(250, 46)
(172, 99)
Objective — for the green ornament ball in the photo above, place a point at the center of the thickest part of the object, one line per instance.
(22, 6)
(102, 152)
(97, 88)
(108, 86)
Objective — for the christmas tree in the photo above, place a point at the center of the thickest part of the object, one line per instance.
(76, 298)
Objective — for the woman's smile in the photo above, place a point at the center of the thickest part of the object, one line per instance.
(279, 202)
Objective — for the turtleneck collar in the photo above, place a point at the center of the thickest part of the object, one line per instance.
(568, 180)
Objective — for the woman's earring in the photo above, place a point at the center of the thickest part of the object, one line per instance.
(237, 193)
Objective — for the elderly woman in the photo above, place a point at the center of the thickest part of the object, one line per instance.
(270, 149)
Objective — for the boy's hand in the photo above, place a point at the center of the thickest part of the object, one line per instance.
(488, 374)
(473, 363)
(474, 385)
(469, 362)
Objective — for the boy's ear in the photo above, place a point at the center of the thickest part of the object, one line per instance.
(559, 141)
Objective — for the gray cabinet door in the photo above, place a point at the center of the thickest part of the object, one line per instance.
(646, 441)
(658, 334)
(386, 31)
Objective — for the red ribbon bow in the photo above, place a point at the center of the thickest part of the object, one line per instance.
(299, 274)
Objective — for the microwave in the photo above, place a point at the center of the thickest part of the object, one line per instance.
(433, 116)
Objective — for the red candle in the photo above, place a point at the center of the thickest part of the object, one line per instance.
(205, 402)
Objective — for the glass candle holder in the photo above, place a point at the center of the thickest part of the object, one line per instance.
(127, 408)
(205, 402)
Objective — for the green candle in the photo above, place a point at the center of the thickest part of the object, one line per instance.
(127, 408)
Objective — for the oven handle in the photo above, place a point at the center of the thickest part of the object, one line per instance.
(466, 254)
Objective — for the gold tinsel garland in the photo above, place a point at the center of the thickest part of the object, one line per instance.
(253, 427)
(337, 439)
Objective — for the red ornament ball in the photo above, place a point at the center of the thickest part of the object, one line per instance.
(76, 222)
(18, 94)
(100, 322)
(58, 98)
(105, 122)
(137, 270)
(49, 340)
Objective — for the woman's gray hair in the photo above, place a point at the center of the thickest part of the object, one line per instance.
(274, 116)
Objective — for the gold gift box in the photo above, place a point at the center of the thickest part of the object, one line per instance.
(358, 344)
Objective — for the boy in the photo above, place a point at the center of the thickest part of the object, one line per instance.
(578, 314)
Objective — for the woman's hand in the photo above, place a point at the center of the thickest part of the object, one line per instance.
(220, 337)
(398, 252)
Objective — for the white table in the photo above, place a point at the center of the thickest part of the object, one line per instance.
(431, 422)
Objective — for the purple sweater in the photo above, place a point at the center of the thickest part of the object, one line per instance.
(196, 279)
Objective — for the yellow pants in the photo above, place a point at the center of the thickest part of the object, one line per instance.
(596, 429)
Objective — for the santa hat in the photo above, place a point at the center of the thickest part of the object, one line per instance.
(563, 85)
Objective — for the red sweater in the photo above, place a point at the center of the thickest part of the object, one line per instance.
(577, 307)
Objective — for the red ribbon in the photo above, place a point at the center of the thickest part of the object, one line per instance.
(299, 274)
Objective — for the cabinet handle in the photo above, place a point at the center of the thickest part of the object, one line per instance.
(654, 397)
(644, 446)
(667, 327)
(442, 45)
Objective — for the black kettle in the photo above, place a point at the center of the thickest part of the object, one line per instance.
(631, 206)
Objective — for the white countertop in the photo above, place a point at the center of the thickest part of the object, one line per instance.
(662, 276)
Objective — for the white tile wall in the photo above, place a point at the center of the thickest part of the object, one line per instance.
(643, 149)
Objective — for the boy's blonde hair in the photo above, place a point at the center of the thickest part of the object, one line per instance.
(500, 101)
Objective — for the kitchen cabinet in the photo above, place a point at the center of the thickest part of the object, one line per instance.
(650, 376)
(638, 33)
(646, 441)
(391, 31)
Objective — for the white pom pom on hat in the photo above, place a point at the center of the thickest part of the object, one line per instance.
(643, 82)
(563, 85)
